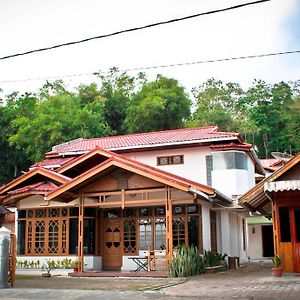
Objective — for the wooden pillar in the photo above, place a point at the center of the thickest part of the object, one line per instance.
(169, 226)
(80, 233)
(275, 228)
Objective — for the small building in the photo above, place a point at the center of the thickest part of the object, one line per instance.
(108, 200)
(278, 197)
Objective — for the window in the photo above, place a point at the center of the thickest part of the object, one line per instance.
(285, 229)
(229, 160)
(21, 237)
(54, 231)
(160, 234)
(170, 160)
(145, 230)
(209, 167)
(130, 236)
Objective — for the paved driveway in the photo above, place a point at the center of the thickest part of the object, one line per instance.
(251, 282)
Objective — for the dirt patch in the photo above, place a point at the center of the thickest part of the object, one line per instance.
(122, 284)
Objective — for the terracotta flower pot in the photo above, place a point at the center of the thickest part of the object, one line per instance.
(75, 269)
(277, 272)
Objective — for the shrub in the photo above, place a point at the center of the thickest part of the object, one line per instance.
(187, 262)
(212, 259)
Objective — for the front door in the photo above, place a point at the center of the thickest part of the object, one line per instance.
(112, 245)
(289, 218)
(296, 238)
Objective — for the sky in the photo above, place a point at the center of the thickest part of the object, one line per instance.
(258, 29)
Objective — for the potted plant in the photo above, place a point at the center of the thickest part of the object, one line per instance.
(277, 270)
(46, 269)
(75, 265)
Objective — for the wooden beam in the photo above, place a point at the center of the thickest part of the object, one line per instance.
(80, 234)
(169, 225)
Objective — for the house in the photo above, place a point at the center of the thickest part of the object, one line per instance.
(278, 196)
(108, 200)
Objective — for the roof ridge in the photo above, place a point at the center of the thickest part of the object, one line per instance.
(213, 127)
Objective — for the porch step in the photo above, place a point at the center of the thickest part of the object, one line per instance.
(155, 274)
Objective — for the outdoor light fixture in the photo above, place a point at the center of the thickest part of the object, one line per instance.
(253, 229)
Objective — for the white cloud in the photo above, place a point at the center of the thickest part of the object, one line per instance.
(257, 29)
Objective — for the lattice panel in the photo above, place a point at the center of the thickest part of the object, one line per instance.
(53, 236)
(53, 212)
(130, 236)
(39, 244)
(29, 237)
(178, 231)
(64, 212)
(40, 213)
(64, 233)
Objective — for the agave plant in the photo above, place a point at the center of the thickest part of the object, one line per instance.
(186, 262)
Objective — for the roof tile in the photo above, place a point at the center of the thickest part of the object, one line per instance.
(143, 139)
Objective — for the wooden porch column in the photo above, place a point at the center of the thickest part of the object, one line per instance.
(80, 233)
(169, 225)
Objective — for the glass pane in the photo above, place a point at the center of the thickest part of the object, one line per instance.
(74, 211)
(285, 228)
(112, 213)
(297, 224)
(193, 231)
(192, 209)
(159, 211)
(22, 214)
(160, 234)
(90, 212)
(21, 237)
(89, 236)
(73, 236)
(145, 238)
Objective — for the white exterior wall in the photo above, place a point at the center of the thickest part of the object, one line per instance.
(206, 226)
(90, 261)
(234, 234)
(255, 241)
(193, 168)
(225, 232)
(243, 251)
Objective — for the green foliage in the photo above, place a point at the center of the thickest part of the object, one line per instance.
(277, 261)
(187, 262)
(266, 115)
(66, 263)
(212, 259)
(159, 105)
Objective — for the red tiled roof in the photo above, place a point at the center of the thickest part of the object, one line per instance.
(148, 139)
(272, 164)
(45, 186)
(232, 146)
(53, 162)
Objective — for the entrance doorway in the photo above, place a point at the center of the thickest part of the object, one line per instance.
(267, 240)
(112, 245)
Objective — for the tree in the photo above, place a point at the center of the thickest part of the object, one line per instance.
(57, 120)
(116, 89)
(13, 160)
(270, 108)
(159, 105)
(216, 104)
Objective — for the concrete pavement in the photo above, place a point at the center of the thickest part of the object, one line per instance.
(253, 282)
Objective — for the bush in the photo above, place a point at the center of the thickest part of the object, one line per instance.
(212, 259)
(187, 262)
